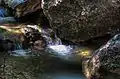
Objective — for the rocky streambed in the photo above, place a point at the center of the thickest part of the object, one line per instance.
(60, 39)
(30, 52)
(26, 55)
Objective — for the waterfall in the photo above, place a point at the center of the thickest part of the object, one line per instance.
(50, 37)
(61, 49)
(54, 43)
(18, 46)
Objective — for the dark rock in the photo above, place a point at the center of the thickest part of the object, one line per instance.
(6, 45)
(36, 17)
(5, 17)
(97, 42)
(25, 11)
(34, 39)
(78, 20)
(39, 45)
(104, 63)
(31, 12)
(28, 7)
(13, 3)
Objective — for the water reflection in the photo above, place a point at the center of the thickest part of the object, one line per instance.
(63, 75)
(33, 64)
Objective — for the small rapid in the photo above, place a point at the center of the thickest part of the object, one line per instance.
(61, 49)
(53, 42)
(54, 45)
(61, 55)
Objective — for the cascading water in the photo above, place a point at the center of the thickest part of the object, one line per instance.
(19, 51)
(18, 46)
(69, 52)
(53, 43)
(62, 49)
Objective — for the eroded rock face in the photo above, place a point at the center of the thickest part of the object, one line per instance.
(16, 37)
(34, 39)
(27, 7)
(105, 62)
(79, 20)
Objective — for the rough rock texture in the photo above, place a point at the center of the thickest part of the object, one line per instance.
(20, 67)
(31, 12)
(105, 62)
(33, 39)
(14, 36)
(79, 20)
(28, 7)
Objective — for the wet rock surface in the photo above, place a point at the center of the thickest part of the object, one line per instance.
(27, 51)
(21, 37)
(40, 66)
(105, 62)
(28, 7)
(30, 58)
(32, 67)
(80, 20)
(33, 39)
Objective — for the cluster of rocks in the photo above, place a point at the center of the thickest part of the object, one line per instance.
(76, 21)
(27, 37)
(72, 20)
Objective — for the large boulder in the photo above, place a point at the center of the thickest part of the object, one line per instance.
(105, 62)
(78, 20)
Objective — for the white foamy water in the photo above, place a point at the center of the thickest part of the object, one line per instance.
(61, 49)
(19, 53)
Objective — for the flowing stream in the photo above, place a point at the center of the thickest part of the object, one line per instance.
(62, 55)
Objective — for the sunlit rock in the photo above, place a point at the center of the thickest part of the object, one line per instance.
(105, 62)
(22, 36)
(29, 36)
(78, 20)
(84, 53)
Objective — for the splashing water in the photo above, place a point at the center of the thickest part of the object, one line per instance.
(57, 47)
(19, 51)
(18, 46)
(61, 49)
(53, 42)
